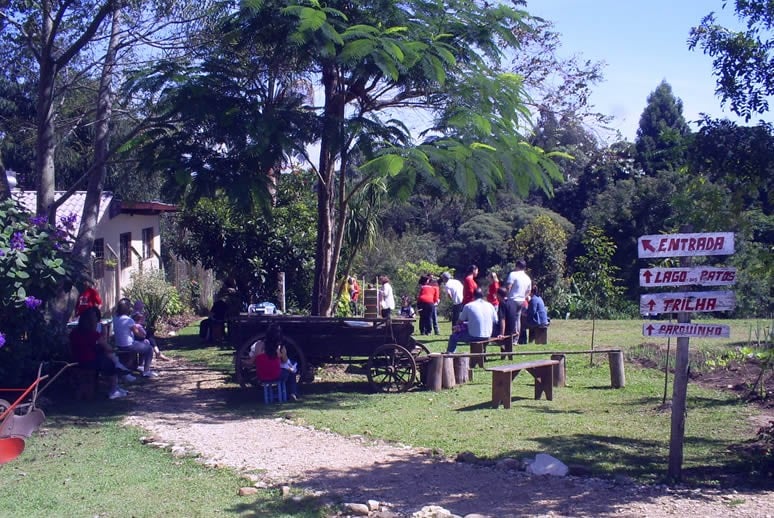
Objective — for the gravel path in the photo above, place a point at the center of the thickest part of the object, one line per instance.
(190, 407)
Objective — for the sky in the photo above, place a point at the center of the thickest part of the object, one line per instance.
(642, 43)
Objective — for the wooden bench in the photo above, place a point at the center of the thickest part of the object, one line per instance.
(480, 347)
(503, 375)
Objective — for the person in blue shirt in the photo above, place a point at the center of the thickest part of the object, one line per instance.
(537, 313)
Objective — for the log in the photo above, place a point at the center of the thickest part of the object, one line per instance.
(448, 373)
(560, 370)
(461, 370)
(435, 372)
(617, 374)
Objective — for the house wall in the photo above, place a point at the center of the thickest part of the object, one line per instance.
(114, 281)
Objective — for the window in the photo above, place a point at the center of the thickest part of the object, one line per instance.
(125, 250)
(98, 258)
(147, 243)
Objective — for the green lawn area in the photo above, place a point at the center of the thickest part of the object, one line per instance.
(87, 464)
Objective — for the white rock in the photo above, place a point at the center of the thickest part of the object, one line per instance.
(373, 505)
(357, 509)
(545, 464)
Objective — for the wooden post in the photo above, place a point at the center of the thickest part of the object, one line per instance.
(560, 370)
(476, 348)
(435, 372)
(617, 374)
(447, 379)
(461, 369)
(281, 290)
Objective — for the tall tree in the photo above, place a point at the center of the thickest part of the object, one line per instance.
(743, 59)
(443, 59)
(662, 132)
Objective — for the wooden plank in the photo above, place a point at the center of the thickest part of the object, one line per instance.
(522, 366)
(676, 330)
(689, 302)
(701, 276)
(685, 245)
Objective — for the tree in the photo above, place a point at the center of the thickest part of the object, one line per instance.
(743, 60)
(595, 276)
(387, 57)
(662, 132)
(543, 245)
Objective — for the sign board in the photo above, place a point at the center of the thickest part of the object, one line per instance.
(702, 276)
(683, 245)
(689, 302)
(676, 330)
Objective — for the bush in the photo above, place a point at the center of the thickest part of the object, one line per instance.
(158, 296)
(35, 266)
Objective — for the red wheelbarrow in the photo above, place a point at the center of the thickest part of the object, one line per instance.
(19, 420)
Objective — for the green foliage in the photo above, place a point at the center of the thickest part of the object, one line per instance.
(35, 266)
(742, 59)
(251, 247)
(174, 304)
(662, 132)
(152, 288)
(595, 278)
(543, 245)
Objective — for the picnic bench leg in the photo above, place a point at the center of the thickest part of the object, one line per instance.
(544, 381)
(477, 347)
(501, 388)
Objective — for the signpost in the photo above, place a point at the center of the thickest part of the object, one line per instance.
(670, 330)
(703, 276)
(685, 246)
(691, 301)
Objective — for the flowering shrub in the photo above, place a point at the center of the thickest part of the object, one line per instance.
(35, 265)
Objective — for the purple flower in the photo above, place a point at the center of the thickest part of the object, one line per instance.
(2, 339)
(2, 252)
(38, 221)
(68, 221)
(17, 241)
(32, 302)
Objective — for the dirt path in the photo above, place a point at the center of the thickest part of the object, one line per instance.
(191, 407)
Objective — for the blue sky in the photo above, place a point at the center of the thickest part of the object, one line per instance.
(642, 43)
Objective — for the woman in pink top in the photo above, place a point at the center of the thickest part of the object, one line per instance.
(469, 284)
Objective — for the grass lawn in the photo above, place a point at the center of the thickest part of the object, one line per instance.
(87, 464)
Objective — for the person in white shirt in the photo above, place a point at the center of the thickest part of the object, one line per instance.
(480, 317)
(519, 287)
(386, 298)
(453, 289)
(124, 330)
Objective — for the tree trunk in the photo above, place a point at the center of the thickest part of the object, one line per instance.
(46, 143)
(85, 239)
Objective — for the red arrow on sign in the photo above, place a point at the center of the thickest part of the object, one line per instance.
(647, 246)
(650, 329)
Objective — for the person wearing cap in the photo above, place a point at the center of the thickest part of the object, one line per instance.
(453, 289)
(480, 318)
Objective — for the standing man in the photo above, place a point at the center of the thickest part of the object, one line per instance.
(354, 293)
(454, 291)
(469, 285)
(480, 317)
(519, 286)
(508, 316)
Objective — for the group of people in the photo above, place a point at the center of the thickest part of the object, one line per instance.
(508, 309)
(89, 339)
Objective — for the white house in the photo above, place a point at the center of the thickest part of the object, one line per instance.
(127, 238)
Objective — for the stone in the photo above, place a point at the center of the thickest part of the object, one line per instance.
(357, 509)
(251, 477)
(373, 505)
(545, 464)
(285, 490)
(509, 464)
(477, 515)
(245, 491)
(179, 451)
(432, 511)
(466, 456)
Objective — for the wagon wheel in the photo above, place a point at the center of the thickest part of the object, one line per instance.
(244, 365)
(391, 368)
(417, 348)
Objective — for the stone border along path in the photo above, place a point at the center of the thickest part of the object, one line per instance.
(193, 410)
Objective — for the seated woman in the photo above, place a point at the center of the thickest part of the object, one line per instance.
(89, 348)
(124, 329)
(273, 365)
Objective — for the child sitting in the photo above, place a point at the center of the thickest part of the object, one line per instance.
(406, 309)
(273, 364)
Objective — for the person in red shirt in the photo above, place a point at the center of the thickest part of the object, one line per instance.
(469, 284)
(273, 363)
(89, 298)
(426, 300)
(89, 348)
(494, 284)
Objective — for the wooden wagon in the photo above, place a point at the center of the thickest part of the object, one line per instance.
(387, 346)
